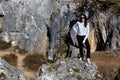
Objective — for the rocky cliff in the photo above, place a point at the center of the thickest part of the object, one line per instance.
(41, 26)
(103, 17)
(37, 25)
(23, 24)
(107, 27)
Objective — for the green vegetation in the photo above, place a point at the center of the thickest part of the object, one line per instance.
(76, 70)
(11, 59)
(51, 70)
(34, 61)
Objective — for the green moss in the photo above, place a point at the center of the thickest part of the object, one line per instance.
(50, 61)
(76, 70)
(51, 70)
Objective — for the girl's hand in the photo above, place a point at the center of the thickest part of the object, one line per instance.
(83, 42)
(78, 33)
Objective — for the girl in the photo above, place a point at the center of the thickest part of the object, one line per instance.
(82, 29)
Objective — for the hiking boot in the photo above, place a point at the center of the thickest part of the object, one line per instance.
(88, 61)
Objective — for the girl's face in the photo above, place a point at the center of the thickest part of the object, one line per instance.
(83, 18)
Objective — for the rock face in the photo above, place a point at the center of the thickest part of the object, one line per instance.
(8, 72)
(29, 24)
(107, 29)
(59, 22)
(23, 25)
(103, 17)
(69, 69)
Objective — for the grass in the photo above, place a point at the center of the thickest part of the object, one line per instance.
(76, 70)
(4, 45)
(11, 59)
(34, 61)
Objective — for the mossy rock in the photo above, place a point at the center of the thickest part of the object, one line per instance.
(76, 70)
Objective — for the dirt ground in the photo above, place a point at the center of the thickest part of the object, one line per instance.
(30, 75)
(106, 58)
(102, 59)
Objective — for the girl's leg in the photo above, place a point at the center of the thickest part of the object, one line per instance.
(81, 52)
(88, 48)
(88, 51)
(80, 39)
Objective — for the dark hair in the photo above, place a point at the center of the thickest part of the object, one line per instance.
(85, 24)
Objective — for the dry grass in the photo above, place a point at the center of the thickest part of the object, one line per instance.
(34, 61)
(105, 59)
(4, 45)
(107, 63)
(11, 59)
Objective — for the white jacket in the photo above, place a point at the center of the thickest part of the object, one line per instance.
(81, 30)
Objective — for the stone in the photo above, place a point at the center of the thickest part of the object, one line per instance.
(22, 23)
(68, 69)
(9, 72)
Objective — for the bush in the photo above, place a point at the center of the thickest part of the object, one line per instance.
(11, 59)
(34, 61)
(4, 45)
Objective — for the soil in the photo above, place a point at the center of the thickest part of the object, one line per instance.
(104, 60)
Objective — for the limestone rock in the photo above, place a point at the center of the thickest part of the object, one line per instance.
(69, 69)
(24, 25)
(8, 72)
(106, 25)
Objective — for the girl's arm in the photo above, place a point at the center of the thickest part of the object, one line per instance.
(88, 30)
(75, 28)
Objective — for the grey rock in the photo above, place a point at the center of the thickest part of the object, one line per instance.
(107, 24)
(23, 24)
(9, 72)
(60, 20)
(69, 69)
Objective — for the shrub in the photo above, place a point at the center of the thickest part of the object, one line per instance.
(11, 59)
(4, 45)
(34, 61)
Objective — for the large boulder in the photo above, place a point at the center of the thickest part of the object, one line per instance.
(69, 69)
(23, 24)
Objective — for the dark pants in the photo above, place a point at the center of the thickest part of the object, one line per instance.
(81, 45)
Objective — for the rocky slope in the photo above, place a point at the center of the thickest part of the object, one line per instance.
(68, 69)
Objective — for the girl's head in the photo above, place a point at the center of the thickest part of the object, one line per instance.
(83, 19)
